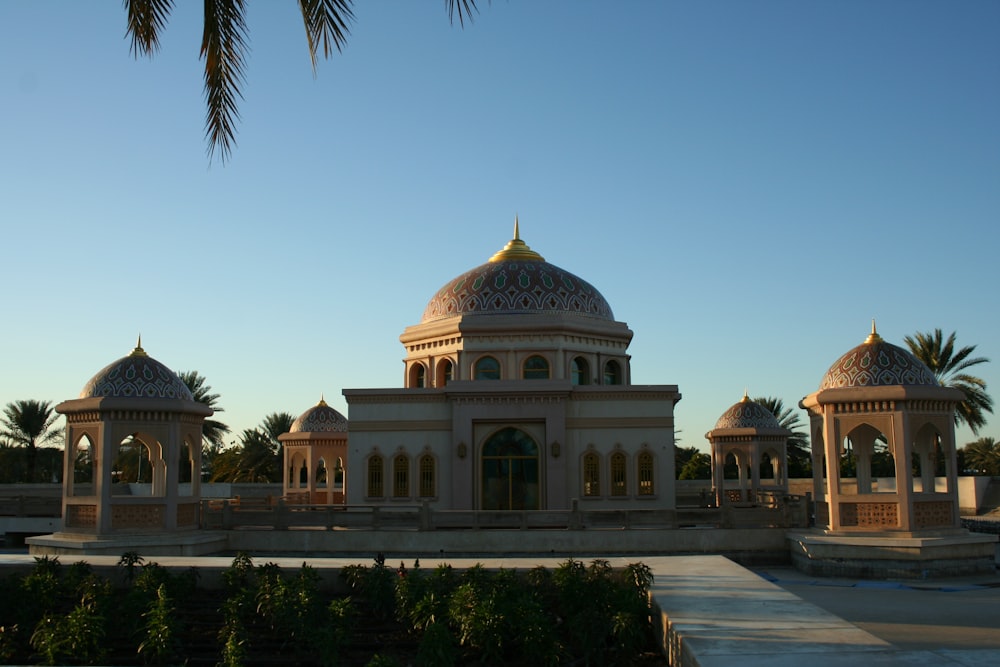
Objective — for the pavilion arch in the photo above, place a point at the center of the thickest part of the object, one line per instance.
(866, 450)
(930, 460)
(80, 461)
(157, 461)
(321, 478)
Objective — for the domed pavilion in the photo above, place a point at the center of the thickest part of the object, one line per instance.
(879, 408)
(315, 453)
(517, 395)
(748, 439)
(133, 403)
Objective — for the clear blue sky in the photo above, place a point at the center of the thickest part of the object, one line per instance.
(747, 183)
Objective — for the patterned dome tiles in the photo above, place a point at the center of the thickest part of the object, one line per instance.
(747, 414)
(877, 364)
(136, 376)
(319, 419)
(517, 287)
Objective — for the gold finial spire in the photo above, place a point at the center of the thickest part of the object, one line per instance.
(746, 396)
(873, 337)
(516, 249)
(322, 401)
(138, 351)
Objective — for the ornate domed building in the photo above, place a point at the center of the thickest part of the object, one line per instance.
(748, 439)
(879, 407)
(315, 451)
(516, 394)
(134, 401)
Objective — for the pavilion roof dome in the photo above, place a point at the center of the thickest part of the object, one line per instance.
(137, 375)
(747, 414)
(876, 363)
(319, 419)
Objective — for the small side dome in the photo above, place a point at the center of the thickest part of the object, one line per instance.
(136, 376)
(747, 414)
(876, 363)
(319, 418)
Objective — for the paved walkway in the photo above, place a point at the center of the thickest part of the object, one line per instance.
(719, 614)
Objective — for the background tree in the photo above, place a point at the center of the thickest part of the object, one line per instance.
(949, 367)
(982, 457)
(799, 454)
(224, 48)
(213, 432)
(30, 424)
(253, 460)
(274, 425)
(698, 466)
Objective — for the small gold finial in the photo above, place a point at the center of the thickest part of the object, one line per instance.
(516, 249)
(138, 351)
(873, 337)
(746, 396)
(322, 401)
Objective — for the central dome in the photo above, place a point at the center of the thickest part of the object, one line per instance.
(517, 280)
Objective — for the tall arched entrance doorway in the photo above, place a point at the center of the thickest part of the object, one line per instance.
(510, 471)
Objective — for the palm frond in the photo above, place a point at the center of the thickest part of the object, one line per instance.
(224, 48)
(463, 8)
(146, 19)
(938, 354)
(326, 23)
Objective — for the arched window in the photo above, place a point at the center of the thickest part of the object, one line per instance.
(644, 465)
(426, 467)
(580, 370)
(418, 376)
(487, 368)
(401, 476)
(446, 372)
(376, 472)
(591, 474)
(619, 478)
(536, 368)
(612, 373)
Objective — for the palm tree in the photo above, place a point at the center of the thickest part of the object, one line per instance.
(212, 431)
(277, 423)
(799, 455)
(30, 423)
(224, 48)
(253, 460)
(982, 456)
(948, 367)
